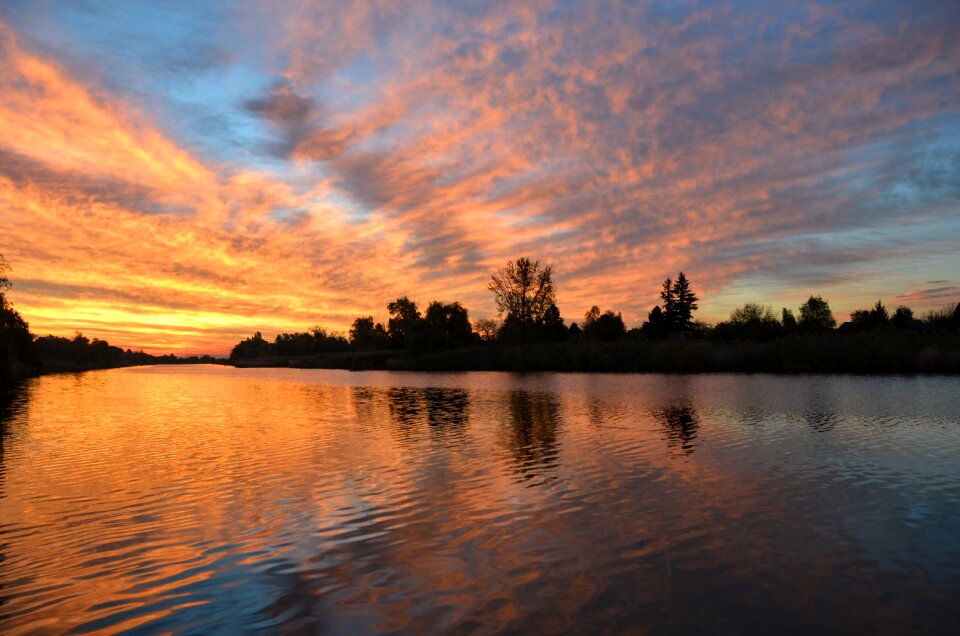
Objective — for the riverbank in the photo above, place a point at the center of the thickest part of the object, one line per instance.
(15, 372)
(873, 353)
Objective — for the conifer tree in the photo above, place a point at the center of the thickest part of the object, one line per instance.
(685, 302)
(668, 297)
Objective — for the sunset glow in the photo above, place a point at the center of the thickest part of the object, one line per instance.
(175, 178)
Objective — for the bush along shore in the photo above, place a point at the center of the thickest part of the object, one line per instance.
(530, 335)
(868, 353)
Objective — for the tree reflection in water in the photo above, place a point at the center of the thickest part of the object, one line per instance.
(12, 402)
(531, 433)
(681, 425)
(444, 411)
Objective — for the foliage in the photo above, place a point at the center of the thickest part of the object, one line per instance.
(605, 327)
(486, 328)
(367, 336)
(254, 347)
(656, 325)
(445, 325)
(752, 313)
(16, 341)
(943, 320)
(552, 328)
(317, 340)
(903, 319)
(752, 321)
(788, 321)
(404, 318)
(869, 352)
(675, 315)
(685, 303)
(524, 291)
(815, 315)
(870, 318)
(668, 315)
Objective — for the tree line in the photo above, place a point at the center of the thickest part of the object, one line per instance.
(525, 297)
(530, 333)
(23, 354)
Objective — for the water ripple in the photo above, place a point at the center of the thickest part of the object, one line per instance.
(211, 500)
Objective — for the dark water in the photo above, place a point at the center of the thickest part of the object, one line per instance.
(212, 500)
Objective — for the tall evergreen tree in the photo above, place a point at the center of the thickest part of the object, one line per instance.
(678, 304)
(685, 302)
(669, 300)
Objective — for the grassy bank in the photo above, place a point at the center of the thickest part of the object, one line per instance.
(880, 353)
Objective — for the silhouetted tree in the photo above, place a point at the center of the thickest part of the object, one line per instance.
(552, 327)
(328, 341)
(685, 302)
(316, 341)
(592, 316)
(486, 328)
(903, 319)
(815, 315)
(254, 347)
(788, 320)
(870, 318)
(606, 327)
(668, 301)
(4, 281)
(943, 320)
(367, 336)
(678, 302)
(404, 317)
(656, 324)
(752, 321)
(524, 291)
(445, 325)
(16, 341)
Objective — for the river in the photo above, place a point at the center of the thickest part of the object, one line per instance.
(206, 499)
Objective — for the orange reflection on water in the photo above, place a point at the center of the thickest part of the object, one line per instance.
(191, 498)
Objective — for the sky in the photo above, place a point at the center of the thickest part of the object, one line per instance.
(177, 175)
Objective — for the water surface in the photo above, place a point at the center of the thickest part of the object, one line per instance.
(217, 500)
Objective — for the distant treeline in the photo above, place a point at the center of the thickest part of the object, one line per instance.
(23, 354)
(531, 335)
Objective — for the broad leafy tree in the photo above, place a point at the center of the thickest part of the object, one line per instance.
(404, 317)
(607, 326)
(752, 321)
(656, 324)
(524, 291)
(365, 335)
(486, 328)
(445, 325)
(903, 318)
(815, 315)
(253, 347)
